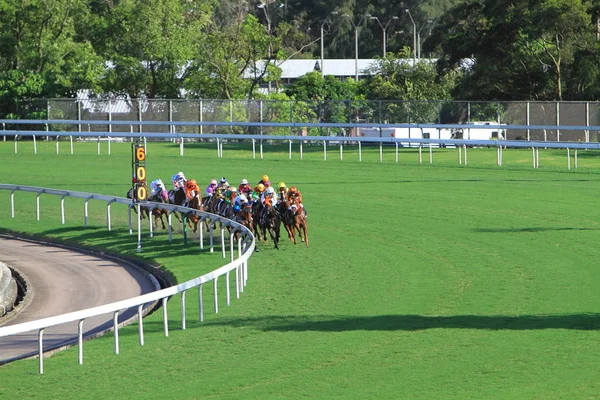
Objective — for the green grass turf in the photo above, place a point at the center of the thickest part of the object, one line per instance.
(442, 281)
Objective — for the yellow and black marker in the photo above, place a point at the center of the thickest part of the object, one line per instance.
(140, 187)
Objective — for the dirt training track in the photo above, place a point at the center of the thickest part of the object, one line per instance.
(62, 281)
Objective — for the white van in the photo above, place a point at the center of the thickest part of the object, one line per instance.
(480, 133)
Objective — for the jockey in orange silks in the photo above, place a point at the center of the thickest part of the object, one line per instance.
(191, 190)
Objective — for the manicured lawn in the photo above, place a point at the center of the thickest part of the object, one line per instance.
(422, 281)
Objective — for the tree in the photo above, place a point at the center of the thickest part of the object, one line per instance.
(396, 78)
(518, 50)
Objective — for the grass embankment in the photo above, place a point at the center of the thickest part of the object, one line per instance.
(421, 281)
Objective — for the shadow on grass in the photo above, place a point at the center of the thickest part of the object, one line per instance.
(402, 323)
(530, 229)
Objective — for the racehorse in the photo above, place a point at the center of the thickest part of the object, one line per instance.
(295, 220)
(244, 217)
(270, 220)
(192, 219)
(177, 197)
(156, 212)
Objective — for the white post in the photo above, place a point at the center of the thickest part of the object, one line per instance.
(290, 150)
(16, 136)
(465, 148)
(169, 219)
(537, 157)
(397, 152)
(223, 242)
(98, 145)
(420, 153)
(380, 152)
(150, 227)
(201, 234)
(227, 289)
(533, 156)
(459, 154)
(165, 317)
(210, 230)
(57, 150)
(139, 224)
(37, 206)
(41, 349)
(129, 219)
(261, 149)
(12, 203)
(71, 139)
(301, 153)
(341, 152)
(360, 151)
(181, 140)
(568, 158)
(430, 154)
(254, 149)
(34, 145)
(200, 304)
(216, 297)
(231, 241)
(80, 341)
(141, 324)
(116, 327)
(183, 310)
(218, 149)
(108, 216)
(324, 150)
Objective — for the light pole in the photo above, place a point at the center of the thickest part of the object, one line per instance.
(356, 26)
(263, 6)
(419, 37)
(322, 46)
(414, 36)
(384, 28)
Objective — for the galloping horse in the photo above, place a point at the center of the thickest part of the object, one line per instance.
(244, 217)
(193, 220)
(156, 212)
(177, 197)
(295, 220)
(270, 220)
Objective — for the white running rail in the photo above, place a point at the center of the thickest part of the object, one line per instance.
(239, 265)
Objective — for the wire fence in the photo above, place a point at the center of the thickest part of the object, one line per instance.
(327, 111)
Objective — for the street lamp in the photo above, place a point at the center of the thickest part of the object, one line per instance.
(414, 36)
(263, 6)
(356, 26)
(419, 37)
(384, 28)
(322, 46)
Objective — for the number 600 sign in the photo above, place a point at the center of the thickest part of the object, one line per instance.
(139, 168)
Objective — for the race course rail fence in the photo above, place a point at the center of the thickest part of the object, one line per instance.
(238, 265)
(418, 142)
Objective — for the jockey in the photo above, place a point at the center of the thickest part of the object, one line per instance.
(223, 186)
(269, 193)
(245, 187)
(211, 188)
(230, 194)
(157, 187)
(265, 181)
(191, 190)
(282, 194)
(240, 201)
(295, 197)
(258, 191)
(178, 180)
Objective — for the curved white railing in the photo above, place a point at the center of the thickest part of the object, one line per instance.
(245, 248)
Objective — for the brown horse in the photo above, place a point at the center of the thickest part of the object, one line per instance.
(244, 217)
(295, 220)
(196, 204)
(157, 213)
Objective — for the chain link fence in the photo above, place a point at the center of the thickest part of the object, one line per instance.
(347, 111)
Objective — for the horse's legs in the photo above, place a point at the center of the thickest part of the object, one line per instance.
(305, 235)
